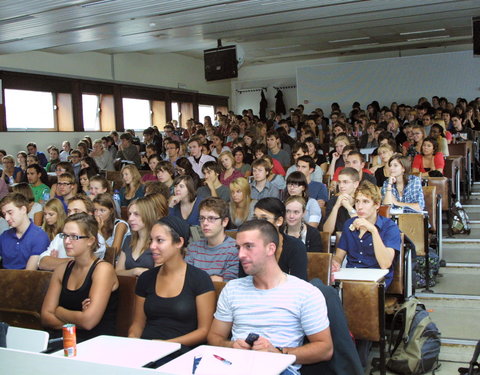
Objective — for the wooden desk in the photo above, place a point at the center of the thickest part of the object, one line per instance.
(244, 362)
(121, 351)
(360, 274)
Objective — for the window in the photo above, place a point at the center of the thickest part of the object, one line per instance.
(137, 114)
(30, 110)
(206, 110)
(175, 112)
(91, 112)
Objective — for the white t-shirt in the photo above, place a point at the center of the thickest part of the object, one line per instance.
(284, 315)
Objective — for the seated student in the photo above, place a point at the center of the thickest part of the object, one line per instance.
(103, 158)
(197, 159)
(241, 202)
(298, 150)
(280, 308)
(275, 150)
(217, 147)
(356, 160)
(212, 185)
(261, 187)
(165, 173)
(240, 165)
(174, 302)
(229, 173)
(11, 174)
(368, 240)
(20, 245)
(184, 203)
(112, 229)
(316, 190)
(83, 291)
(53, 218)
(276, 180)
(136, 256)
(291, 253)
(260, 150)
(382, 171)
(32, 150)
(184, 168)
(313, 152)
(65, 188)
(340, 207)
(132, 187)
(430, 160)
(459, 131)
(297, 185)
(84, 177)
(35, 210)
(296, 227)
(41, 192)
(127, 150)
(75, 158)
(403, 190)
(61, 168)
(217, 254)
(153, 161)
(55, 255)
(336, 159)
(345, 152)
(438, 133)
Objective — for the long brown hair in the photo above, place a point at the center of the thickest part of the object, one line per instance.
(106, 200)
(57, 206)
(136, 180)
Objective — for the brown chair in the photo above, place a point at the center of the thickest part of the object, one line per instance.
(397, 291)
(124, 213)
(109, 255)
(126, 304)
(363, 303)
(326, 242)
(384, 210)
(453, 170)
(218, 288)
(22, 297)
(319, 266)
(430, 194)
(413, 225)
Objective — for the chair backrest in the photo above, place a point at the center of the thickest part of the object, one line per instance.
(218, 288)
(231, 233)
(443, 189)
(413, 226)
(23, 292)
(363, 305)
(124, 213)
(126, 304)
(430, 194)
(30, 340)
(319, 266)
(109, 255)
(384, 211)
(399, 268)
(326, 242)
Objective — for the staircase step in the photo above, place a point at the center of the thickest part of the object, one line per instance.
(458, 280)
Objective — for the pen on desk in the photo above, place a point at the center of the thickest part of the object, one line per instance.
(196, 361)
(222, 359)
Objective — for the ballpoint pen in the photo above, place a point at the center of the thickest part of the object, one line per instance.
(222, 359)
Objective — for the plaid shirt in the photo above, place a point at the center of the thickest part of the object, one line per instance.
(412, 192)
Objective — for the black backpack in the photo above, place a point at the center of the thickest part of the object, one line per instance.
(417, 345)
(460, 223)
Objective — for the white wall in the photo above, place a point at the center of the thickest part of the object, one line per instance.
(167, 70)
(400, 79)
(250, 74)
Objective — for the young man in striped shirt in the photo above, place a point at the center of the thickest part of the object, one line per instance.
(280, 308)
(217, 254)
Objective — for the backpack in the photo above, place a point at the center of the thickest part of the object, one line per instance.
(474, 368)
(421, 269)
(417, 345)
(460, 223)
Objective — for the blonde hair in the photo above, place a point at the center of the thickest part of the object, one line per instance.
(342, 138)
(240, 183)
(229, 155)
(369, 190)
(148, 212)
(136, 180)
(57, 206)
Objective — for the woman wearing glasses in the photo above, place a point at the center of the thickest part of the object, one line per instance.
(174, 302)
(83, 291)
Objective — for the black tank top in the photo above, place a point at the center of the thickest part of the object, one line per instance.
(72, 300)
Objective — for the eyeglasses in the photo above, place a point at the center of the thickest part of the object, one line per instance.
(209, 219)
(71, 237)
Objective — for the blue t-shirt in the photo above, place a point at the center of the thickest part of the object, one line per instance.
(193, 218)
(360, 251)
(317, 190)
(15, 251)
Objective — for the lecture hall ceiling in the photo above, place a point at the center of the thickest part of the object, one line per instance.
(266, 30)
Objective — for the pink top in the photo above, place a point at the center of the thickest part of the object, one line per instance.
(227, 181)
(149, 177)
(438, 161)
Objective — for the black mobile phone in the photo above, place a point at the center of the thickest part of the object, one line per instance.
(251, 338)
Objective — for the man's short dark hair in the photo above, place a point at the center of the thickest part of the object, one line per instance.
(350, 172)
(357, 153)
(148, 131)
(268, 231)
(307, 159)
(32, 144)
(273, 205)
(213, 166)
(37, 168)
(215, 204)
(127, 136)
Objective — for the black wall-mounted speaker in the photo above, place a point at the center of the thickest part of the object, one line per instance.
(220, 63)
(476, 36)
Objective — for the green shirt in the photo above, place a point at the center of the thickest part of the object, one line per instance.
(39, 191)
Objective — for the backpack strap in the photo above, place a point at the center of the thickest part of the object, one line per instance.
(407, 310)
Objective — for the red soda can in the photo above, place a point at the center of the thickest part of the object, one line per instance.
(69, 340)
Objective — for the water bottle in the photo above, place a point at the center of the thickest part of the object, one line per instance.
(46, 195)
(116, 197)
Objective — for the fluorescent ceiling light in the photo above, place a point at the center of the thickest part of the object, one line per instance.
(348, 40)
(284, 47)
(422, 31)
(428, 38)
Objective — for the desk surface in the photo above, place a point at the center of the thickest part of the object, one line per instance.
(122, 351)
(360, 274)
(244, 362)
